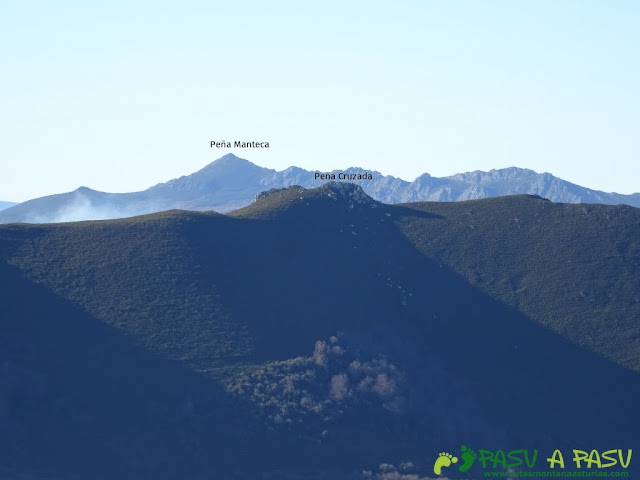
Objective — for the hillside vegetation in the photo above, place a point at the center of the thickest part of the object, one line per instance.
(316, 332)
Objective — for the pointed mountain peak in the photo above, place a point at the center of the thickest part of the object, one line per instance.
(228, 161)
(229, 158)
(231, 163)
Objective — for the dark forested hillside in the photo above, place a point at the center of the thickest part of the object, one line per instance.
(316, 332)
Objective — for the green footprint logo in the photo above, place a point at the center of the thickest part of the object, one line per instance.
(468, 457)
(444, 460)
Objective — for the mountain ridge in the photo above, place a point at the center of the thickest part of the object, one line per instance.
(230, 182)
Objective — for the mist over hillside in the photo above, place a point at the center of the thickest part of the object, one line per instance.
(230, 183)
(317, 333)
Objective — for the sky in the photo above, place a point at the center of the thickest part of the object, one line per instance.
(121, 95)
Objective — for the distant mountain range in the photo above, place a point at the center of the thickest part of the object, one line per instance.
(230, 183)
(5, 205)
(318, 334)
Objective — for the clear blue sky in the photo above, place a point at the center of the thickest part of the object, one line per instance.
(121, 95)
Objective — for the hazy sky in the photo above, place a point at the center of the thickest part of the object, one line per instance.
(120, 95)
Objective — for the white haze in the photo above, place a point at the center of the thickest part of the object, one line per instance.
(80, 209)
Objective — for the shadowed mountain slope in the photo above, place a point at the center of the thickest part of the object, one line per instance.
(318, 331)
